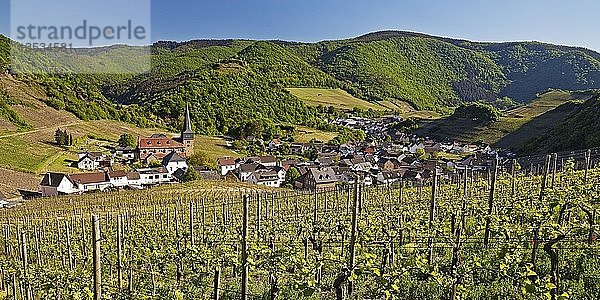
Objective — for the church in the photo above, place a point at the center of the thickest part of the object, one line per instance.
(157, 146)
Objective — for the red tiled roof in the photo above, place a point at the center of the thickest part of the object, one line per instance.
(226, 161)
(133, 175)
(115, 174)
(159, 143)
(86, 178)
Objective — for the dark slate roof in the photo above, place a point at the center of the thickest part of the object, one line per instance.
(187, 123)
(53, 179)
(158, 136)
(172, 157)
(179, 174)
(323, 175)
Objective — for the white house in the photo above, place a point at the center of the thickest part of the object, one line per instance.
(173, 162)
(245, 170)
(118, 179)
(134, 180)
(92, 161)
(226, 164)
(86, 182)
(87, 163)
(126, 153)
(54, 184)
(154, 176)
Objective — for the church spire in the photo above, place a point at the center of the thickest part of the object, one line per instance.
(187, 123)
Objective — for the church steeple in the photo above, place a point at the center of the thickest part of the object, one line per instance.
(187, 123)
(187, 134)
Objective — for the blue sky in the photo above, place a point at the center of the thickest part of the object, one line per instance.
(564, 22)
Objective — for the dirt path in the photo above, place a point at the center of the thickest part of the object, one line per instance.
(40, 129)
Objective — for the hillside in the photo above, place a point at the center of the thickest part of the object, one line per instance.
(232, 82)
(393, 68)
(516, 128)
(580, 130)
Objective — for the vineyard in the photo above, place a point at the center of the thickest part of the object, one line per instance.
(504, 234)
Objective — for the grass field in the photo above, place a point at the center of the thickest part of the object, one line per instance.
(332, 97)
(305, 135)
(214, 147)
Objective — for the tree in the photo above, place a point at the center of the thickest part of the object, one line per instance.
(61, 138)
(291, 176)
(201, 158)
(127, 140)
(191, 175)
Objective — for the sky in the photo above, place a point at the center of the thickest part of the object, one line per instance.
(574, 22)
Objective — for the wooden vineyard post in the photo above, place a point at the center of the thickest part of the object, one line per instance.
(554, 166)
(588, 157)
(545, 177)
(315, 208)
(488, 219)
(2, 288)
(513, 171)
(534, 251)
(455, 258)
(191, 223)
(216, 284)
(120, 251)
(97, 267)
(14, 286)
(6, 236)
(353, 235)
(245, 250)
(26, 285)
(432, 216)
(258, 210)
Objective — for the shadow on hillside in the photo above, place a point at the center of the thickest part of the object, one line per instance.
(449, 129)
(503, 135)
(539, 125)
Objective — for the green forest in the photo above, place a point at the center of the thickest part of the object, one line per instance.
(229, 82)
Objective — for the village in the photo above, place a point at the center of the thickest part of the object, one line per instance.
(160, 159)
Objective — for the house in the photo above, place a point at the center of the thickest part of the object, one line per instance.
(317, 179)
(298, 148)
(362, 167)
(151, 158)
(3, 201)
(268, 161)
(173, 162)
(245, 170)
(206, 173)
(125, 153)
(86, 182)
(134, 180)
(154, 176)
(387, 177)
(388, 164)
(93, 161)
(275, 144)
(226, 164)
(54, 184)
(160, 145)
(118, 179)
(267, 177)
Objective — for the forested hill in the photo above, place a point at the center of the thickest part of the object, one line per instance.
(431, 71)
(229, 82)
